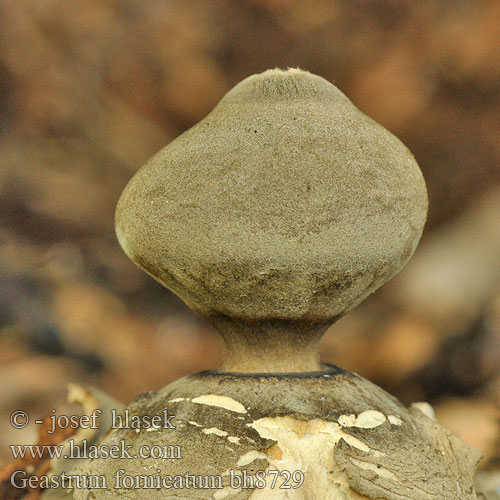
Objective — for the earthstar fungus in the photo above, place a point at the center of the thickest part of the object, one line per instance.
(272, 217)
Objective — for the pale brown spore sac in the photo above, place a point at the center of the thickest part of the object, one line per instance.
(285, 207)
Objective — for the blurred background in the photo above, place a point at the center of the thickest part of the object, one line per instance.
(90, 89)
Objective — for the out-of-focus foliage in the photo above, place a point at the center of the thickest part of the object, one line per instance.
(89, 89)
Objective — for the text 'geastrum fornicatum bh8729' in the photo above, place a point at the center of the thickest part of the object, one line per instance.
(272, 217)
